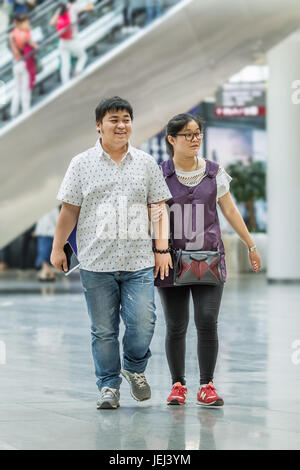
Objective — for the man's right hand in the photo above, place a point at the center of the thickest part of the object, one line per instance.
(59, 260)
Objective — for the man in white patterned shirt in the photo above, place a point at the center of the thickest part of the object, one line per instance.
(106, 191)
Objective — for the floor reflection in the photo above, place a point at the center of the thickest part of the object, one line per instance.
(48, 384)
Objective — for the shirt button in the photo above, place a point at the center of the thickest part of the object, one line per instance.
(190, 196)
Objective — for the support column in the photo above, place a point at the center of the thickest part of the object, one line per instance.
(283, 178)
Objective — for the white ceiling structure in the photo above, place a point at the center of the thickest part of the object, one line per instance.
(163, 70)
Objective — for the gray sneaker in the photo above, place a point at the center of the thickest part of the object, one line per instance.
(109, 398)
(139, 387)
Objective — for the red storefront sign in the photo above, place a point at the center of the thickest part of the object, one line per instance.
(239, 111)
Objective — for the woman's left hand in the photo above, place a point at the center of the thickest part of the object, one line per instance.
(162, 265)
(255, 260)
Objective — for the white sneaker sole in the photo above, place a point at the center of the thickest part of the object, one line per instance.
(215, 404)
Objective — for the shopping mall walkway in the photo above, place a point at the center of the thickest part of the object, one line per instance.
(48, 392)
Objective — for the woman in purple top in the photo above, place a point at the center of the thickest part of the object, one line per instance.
(193, 180)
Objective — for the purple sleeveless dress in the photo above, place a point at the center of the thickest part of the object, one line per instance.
(204, 193)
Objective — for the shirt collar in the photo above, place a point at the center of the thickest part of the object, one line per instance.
(102, 153)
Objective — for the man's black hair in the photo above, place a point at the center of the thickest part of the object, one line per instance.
(110, 105)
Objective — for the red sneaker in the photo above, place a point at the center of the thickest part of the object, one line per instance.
(177, 395)
(208, 396)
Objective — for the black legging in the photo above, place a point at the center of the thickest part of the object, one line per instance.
(175, 302)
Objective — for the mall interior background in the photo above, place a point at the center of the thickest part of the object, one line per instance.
(245, 55)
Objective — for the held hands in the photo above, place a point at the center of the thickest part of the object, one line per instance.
(163, 261)
(155, 212)
(255, 261)
(59, 260)
(162, 264)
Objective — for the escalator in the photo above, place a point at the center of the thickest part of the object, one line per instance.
(162, 69)
(99, 31)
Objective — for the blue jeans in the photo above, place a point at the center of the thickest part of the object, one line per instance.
(109, 296)
(44, 247)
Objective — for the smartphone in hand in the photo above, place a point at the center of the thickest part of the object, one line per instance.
(72, 260)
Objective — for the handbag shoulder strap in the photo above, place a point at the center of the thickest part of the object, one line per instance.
(168, 167)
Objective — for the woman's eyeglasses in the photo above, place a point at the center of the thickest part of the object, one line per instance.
(190, 137)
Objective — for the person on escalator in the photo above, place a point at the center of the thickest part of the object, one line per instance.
(16, 7)
(153, 10)
(24, 70)
(128, 13)
(44, 232)
(65, 21)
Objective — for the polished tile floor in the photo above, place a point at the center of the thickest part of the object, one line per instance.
(48, 392)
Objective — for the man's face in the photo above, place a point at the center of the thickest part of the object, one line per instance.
(116, 127)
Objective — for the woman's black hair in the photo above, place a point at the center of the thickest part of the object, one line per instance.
(21, 17)
(112, 104)
(62, 8)
(176, 124)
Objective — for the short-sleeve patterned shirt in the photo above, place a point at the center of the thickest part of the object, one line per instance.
(113, 231)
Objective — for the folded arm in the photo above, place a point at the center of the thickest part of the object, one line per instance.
(88, 7)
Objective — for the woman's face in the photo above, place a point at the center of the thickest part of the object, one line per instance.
(188, 140)
(24, 26)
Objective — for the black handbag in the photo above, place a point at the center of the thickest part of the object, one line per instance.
(197, 267)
